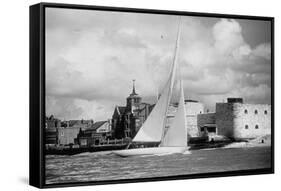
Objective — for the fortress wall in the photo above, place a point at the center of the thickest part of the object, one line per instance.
(251, 120)
(224, 119)
(192, 110)
(191, 121)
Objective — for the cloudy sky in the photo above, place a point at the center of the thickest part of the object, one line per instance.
(92, 57)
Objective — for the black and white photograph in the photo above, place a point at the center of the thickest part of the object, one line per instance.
(132, 95)
(140, 95)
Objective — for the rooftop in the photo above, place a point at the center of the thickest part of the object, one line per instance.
(96, 125)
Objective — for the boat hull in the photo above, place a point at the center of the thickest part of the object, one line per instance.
(151, 151)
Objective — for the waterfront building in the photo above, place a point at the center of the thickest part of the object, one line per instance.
(52, 122)
(68, 132)
(207, 124)
(67, 136)
(118, 122)
(51, 136)
(51, 132)
(83, 124)
(237, 120)
(95, 134)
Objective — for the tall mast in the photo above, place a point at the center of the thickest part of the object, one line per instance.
(172, 76)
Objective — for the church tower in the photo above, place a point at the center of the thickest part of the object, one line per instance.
(131, 115)
(134, 100)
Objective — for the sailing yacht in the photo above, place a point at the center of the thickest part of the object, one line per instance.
(174, 140)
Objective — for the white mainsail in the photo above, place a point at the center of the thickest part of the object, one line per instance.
(176, 136)
(151, 130)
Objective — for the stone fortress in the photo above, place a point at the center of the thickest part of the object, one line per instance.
(237, 120)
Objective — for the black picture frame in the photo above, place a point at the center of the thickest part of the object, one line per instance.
(37, 94)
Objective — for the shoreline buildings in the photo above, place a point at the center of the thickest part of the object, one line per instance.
(234, 119)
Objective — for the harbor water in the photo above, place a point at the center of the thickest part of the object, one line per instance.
(107, 166)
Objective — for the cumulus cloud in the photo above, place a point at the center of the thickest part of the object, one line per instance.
(91, 64)
(221, 65)
(227, 36)
(263, 50)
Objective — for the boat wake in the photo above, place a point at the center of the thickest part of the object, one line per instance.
(186, 152)
(163, 154)
(170, 153)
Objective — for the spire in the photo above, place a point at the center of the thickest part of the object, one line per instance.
(133, 99)
(134, 90)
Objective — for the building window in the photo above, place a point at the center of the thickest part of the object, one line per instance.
(246, 111)
(246, 127)
(256, 127)
(62, 134)
(265, 112)
(256, 111)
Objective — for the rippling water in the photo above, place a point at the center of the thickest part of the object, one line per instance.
(106, 166)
